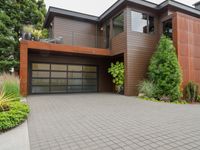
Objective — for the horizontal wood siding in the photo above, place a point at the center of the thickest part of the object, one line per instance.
(119, 44)
(140, 48)
(75, 32)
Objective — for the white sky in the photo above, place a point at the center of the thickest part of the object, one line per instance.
(95, 7)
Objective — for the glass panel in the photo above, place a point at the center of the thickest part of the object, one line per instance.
(40, 81)
(40, 74)
(74, 68)
(58, 74)
(167, 28)
(59, 67)
(89, 82)
(74, 75)
(58, 81)
(40, 66)
(89, 75)
(151, 24)
(107, 34)
(90, 88)
(118, 24)
(57, 89)
(40, 89)
(74, 88)
(139, 22)
(90, 68)
(74, 81)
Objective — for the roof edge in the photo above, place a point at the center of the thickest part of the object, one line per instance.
(145, 3)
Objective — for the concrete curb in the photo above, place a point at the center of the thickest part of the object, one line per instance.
(16, 138)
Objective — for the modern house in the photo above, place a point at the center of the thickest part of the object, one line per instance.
(128, 31)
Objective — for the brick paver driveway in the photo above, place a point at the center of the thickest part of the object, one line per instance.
(108, 121)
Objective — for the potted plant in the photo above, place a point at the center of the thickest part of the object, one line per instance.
(27, 32)
(117, 72)
(37, 34)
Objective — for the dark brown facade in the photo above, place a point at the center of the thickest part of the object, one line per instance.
(93, 40)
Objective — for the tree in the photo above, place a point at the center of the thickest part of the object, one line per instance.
(17, 13)
(7, 44)
(164, 70)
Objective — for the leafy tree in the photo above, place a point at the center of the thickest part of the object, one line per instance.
(164, 70)
(7, 43)
(15, 14)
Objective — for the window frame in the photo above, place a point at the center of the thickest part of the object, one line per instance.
(113, 18)
(148, 21)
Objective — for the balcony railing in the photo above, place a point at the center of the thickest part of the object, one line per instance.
(78, 39)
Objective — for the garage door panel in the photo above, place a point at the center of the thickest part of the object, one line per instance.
(58, 82)
(75, 75)
(73, 89)
(57, 67)
(58, 74)
(37, 66)
(40, 81)
(40, 89)
(58, 89)
(40, 74)
(63, 78)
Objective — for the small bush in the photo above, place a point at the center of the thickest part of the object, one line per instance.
(9, 84)
(117, 72)
(16, 115)
(147, 88)
(165, 72)
(191, 92)
(4, 100)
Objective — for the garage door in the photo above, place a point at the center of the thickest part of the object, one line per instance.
(62, 78)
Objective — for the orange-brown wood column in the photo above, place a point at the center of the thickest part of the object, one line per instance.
(23, 68)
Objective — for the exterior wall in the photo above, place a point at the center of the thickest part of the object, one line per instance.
(187, 42)
(104, 79)
(119, 43)
(75, 32)
(140, 48)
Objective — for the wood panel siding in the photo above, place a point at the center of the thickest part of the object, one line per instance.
(119, 44)
(140, 48)
(104, 79)
(187, 41)
(75, 32)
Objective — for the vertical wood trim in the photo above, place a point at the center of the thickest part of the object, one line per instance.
(23, 69)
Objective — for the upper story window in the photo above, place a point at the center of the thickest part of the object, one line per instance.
(142, 22)
(118, 24)
(167, 28)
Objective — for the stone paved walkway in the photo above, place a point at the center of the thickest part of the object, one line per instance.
(108, 121)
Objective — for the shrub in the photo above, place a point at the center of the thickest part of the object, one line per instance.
(16, 115)
(147, 88)
(117, 72)
(164, 71)
(191, 92)
(4, 101)
(9, 85)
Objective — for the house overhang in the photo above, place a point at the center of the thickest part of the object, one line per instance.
(51, 47)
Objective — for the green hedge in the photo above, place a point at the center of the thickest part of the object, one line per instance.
(16, 115)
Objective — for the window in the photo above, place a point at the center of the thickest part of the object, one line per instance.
(142, 22)
(118, 24)
(167, 28)
(107, 34)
